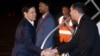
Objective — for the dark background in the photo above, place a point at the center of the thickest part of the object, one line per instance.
(10, 15)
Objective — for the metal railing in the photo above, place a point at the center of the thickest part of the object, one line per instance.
(93, 17)
(96, 6)
(55, 30)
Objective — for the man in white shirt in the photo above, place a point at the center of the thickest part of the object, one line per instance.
(26, 35)
(85, 41)
(45, 25)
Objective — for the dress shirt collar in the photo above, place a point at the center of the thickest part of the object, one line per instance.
(44, 15)
(80, 18)
(31, 22)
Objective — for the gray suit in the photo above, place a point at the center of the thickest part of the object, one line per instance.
(45, 25)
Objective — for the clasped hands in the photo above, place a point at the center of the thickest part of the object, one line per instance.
(49, 52)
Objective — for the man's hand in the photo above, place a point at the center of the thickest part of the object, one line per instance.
(46, 52)
(49, 52)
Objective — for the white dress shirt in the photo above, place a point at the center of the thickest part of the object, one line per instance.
(78, 23)
(32, 22)
(98, 25)
(44, 15)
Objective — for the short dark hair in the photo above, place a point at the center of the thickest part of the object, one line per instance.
(80, 7)
(26, 8)
(65, 6)
(46, 2)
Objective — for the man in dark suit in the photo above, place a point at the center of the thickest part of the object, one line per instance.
(45, 25)
(85, 41)
(25, 34)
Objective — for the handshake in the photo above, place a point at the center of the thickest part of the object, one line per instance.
(49, 52)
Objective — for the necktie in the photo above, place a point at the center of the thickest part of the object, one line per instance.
(41, 20)
(76, 27)
(39, 23)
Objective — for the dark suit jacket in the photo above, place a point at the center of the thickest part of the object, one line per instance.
(43, 29)
(25, 40)
(85, 42)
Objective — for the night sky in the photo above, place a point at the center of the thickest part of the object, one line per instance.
(7, 6)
